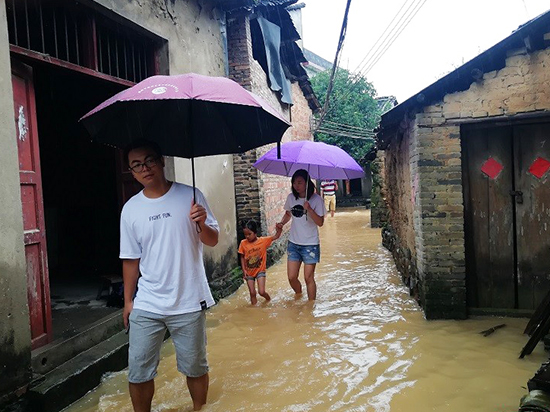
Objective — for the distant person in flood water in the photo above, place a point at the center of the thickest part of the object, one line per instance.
(328, 191)
(253, 251)
(307, 211)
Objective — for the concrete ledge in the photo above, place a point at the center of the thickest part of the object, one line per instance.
(72, 380)
(50, 356)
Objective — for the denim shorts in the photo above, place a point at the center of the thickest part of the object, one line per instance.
(309, 254)
(147, 331)
(259, 275)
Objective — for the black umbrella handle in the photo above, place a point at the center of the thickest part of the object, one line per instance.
(199, 230)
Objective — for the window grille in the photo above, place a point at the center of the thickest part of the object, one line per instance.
(71, 32)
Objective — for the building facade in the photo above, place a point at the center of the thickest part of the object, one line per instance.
(466, 182)
(61, 195)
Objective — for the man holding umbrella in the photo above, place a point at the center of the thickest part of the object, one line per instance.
(162, 232)
(164, 227)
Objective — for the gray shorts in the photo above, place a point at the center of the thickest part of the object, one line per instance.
(147, 330)
(259, 275)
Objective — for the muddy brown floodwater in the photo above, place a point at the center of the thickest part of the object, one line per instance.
(364, 345)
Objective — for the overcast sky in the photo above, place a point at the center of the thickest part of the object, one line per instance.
(443, 35)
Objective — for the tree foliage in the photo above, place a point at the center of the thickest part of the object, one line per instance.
(352, 102)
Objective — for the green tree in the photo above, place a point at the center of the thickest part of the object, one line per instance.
(352, 102)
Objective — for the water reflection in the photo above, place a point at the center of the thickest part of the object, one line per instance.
(362, 346)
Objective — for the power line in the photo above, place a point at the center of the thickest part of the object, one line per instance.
(392, 40)
(387, 42)
(336, 59)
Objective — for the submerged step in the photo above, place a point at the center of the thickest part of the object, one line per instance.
(73, 379)
(50, 356)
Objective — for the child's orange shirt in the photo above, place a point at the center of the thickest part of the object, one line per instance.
(255, 254)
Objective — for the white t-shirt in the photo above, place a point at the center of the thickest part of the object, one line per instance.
(304, 231)
(161, 234)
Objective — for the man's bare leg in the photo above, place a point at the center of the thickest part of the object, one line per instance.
(142, 395)
(198, 388)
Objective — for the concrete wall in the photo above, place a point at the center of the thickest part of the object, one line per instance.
(195, 44)
(15, 339)
(430, 154)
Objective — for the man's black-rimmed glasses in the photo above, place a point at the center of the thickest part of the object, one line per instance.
(140, 167)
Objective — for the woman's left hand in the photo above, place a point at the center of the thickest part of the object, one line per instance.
(307, 206)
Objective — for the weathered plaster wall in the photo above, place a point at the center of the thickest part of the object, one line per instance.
(195, 44)
(14, 317)
(379, 206)
(192, 29)
(434, 164)
(399, 195)
(400, 198)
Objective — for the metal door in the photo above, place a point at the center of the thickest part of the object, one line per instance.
(38, 287)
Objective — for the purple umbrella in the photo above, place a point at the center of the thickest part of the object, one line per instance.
(321, 160)
(187, 115)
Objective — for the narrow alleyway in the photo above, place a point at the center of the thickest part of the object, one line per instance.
(363, 346)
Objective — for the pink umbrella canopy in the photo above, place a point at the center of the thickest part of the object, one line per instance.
(188, 115)
(321, 160)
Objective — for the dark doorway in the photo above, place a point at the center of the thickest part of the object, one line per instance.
(355, 187)
(81, 197)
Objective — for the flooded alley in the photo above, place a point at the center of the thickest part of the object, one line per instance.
(364, 345)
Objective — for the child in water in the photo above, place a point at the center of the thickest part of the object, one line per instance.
(253, 251)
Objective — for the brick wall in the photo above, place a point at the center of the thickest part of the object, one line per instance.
(430, 154)
(261, 196)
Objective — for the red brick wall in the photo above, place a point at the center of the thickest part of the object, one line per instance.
(261, 196)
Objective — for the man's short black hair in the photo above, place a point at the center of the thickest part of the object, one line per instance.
(139, 144)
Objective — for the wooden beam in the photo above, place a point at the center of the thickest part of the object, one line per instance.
(45, 58)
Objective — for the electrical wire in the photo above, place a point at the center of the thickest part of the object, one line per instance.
(367, 64)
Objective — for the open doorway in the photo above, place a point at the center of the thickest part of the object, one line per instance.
(81, 186)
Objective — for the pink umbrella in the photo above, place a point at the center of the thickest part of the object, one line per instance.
(321, 160)
(187, 115)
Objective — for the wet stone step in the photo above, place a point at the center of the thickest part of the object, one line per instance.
(49, 357)
(73, 379)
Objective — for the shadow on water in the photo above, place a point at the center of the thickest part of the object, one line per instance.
(364, 345)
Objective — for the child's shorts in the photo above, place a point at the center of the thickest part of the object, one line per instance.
(259, 275)
(147, 330)
(309, 254)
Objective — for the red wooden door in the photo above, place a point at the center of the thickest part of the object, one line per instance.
(38, 286)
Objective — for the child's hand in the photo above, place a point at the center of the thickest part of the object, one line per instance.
(279, 226)
(307, 206)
